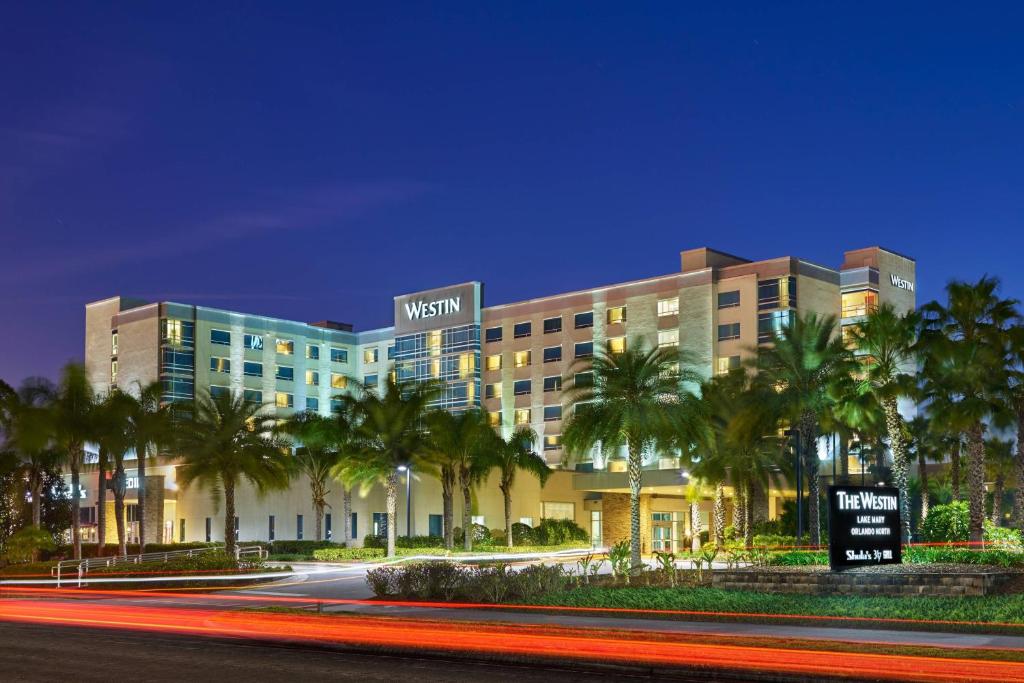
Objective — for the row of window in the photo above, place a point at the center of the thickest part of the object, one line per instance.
(613, 316)
(769, 326)
(284, 347)
(521, 387)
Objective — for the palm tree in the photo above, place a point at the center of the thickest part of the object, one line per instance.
(804, 363)
(640, 399)
(111, 435)
(27, 424)
(319, 441)
(511, 455)
(926, 444)
(461, 447)
(73, 410)
(223, 440)
(1015, 399)
(964, 344)
(887, 342)
(150, 426)
(1001, 468)
(387, 435)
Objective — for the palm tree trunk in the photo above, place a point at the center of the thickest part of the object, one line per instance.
(922, 472)
(976, 481)
(695, 527)
(997, 499)
(140, 513)
(76, 505)
(954, 470)
(319, 507)
(810, 462)
(101, 504)
(467, 512)
(391, 488)
(900, 461)
(739, 510)
(719, 511)
(634, 475)
(346, 513)
(122, 542)
(448, 506)
(229, 518)
(748, 509)
(36, 487)
(506, 492)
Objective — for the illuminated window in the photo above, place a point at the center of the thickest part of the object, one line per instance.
(338, 381)
(494, 418)
(467, 365)
(522, 416)
(850, 333)
(252, 369)
(668, 306)
(113, 370)
(667, 338)
(856, 304)
(180, 332)
(552, 442)
(113, 343)
(616, 345)
(584, 349)
(370, 355)
(729, 299)
(552, 325)
(553, 383)
(339, 355)
(616, 314)
(220, 364)
(285, 347)
(493, 334)
(778, 293)
(521, 386)
(493, 362)
(550, 510)
(771, 324)
(725, 364)
(552, 413)
(284, 400)
(253, 342)
(216, 336)
(492, 390)
(520, 330)
(285, 372)
(729, 331)
(582, 320)
(552, 354)
(312, 352)
(312, 378)
(521, 359)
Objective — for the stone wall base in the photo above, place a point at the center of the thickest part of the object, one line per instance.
(862, 583)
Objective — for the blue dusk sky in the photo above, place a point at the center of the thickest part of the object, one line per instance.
(311, 161)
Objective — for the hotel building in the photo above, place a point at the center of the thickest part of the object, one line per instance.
(509, 359)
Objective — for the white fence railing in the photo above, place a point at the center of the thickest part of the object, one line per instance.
(82, 567)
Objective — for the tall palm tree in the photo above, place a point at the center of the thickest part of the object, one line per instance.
(460, 447)
(639, 398)
(387, 434)
(887, 342)
(318, 444)
(224, 440)
(1001, 469)
(966, 369)
(73, 410)
(1015, 399)
(115, 436)
(109, 434)
(926, 445)
(150, 425)
(509, 457)
(804, 363)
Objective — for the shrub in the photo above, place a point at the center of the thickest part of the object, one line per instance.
(383, 581)
(559, 532)
(523, 534)
(347, 554)
(997, 557)
(23, 545)
(947, 523)
(291, 547)
(448, 581)
(419, 542)
(774, 541)
(481, 535)
(374, 541)
(1003, 537)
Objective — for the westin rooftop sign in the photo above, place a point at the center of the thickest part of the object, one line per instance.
(438, 308)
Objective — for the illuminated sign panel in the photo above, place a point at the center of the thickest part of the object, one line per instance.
(438, 308)
(863, 526)
(901, 283)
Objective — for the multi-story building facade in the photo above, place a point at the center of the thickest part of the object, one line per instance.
(509, 359)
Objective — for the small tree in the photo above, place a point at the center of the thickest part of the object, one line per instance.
(318, 442)
(509, 457)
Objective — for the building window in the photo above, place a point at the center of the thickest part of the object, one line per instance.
(312, 404)
(270, 528)
(552, 413)
(522, 416)
(253, 342)
(312, 352)
(581, 320)
(616, 314)
(521, 359)
(552, 442)
(113, 370)
(769, 325)
(584, 349)
(668, 306)
(336, 405)
(777, 293)
(494, 417)
(552, 354)
(338, 381)
(298, 527)
(312, 378)
(113, 343)
(182, 332)
(729, 299)
(218, 364)
(391, 352)
(327, 526)
(552, 325)
(284, 400)
(520, 330)
(370, 355)
(668, 338)
(552, 383)
(285, 372)
(493, 362)
(729, 331)
(521, 386)
(216, 336)
(856, 304)
(492, 390)
(726, 364)
(551, 510)
(435, 525)
(380, 524)
(617, 345)
(218, 391)
(251, 368)
(252, 396)
(286, 347)
(583, 379)
(493, 334)
(370, 381)
(177, 360)
(339, 355)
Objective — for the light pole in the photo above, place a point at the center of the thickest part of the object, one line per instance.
(408, 498)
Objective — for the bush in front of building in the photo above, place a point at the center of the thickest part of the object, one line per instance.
(25, 544)
(496, 583)
(481, 535)
(948, 523)
(341, 554)
(292, 547)
(559, 532)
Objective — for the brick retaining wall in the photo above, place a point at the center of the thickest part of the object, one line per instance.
(861, 583)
